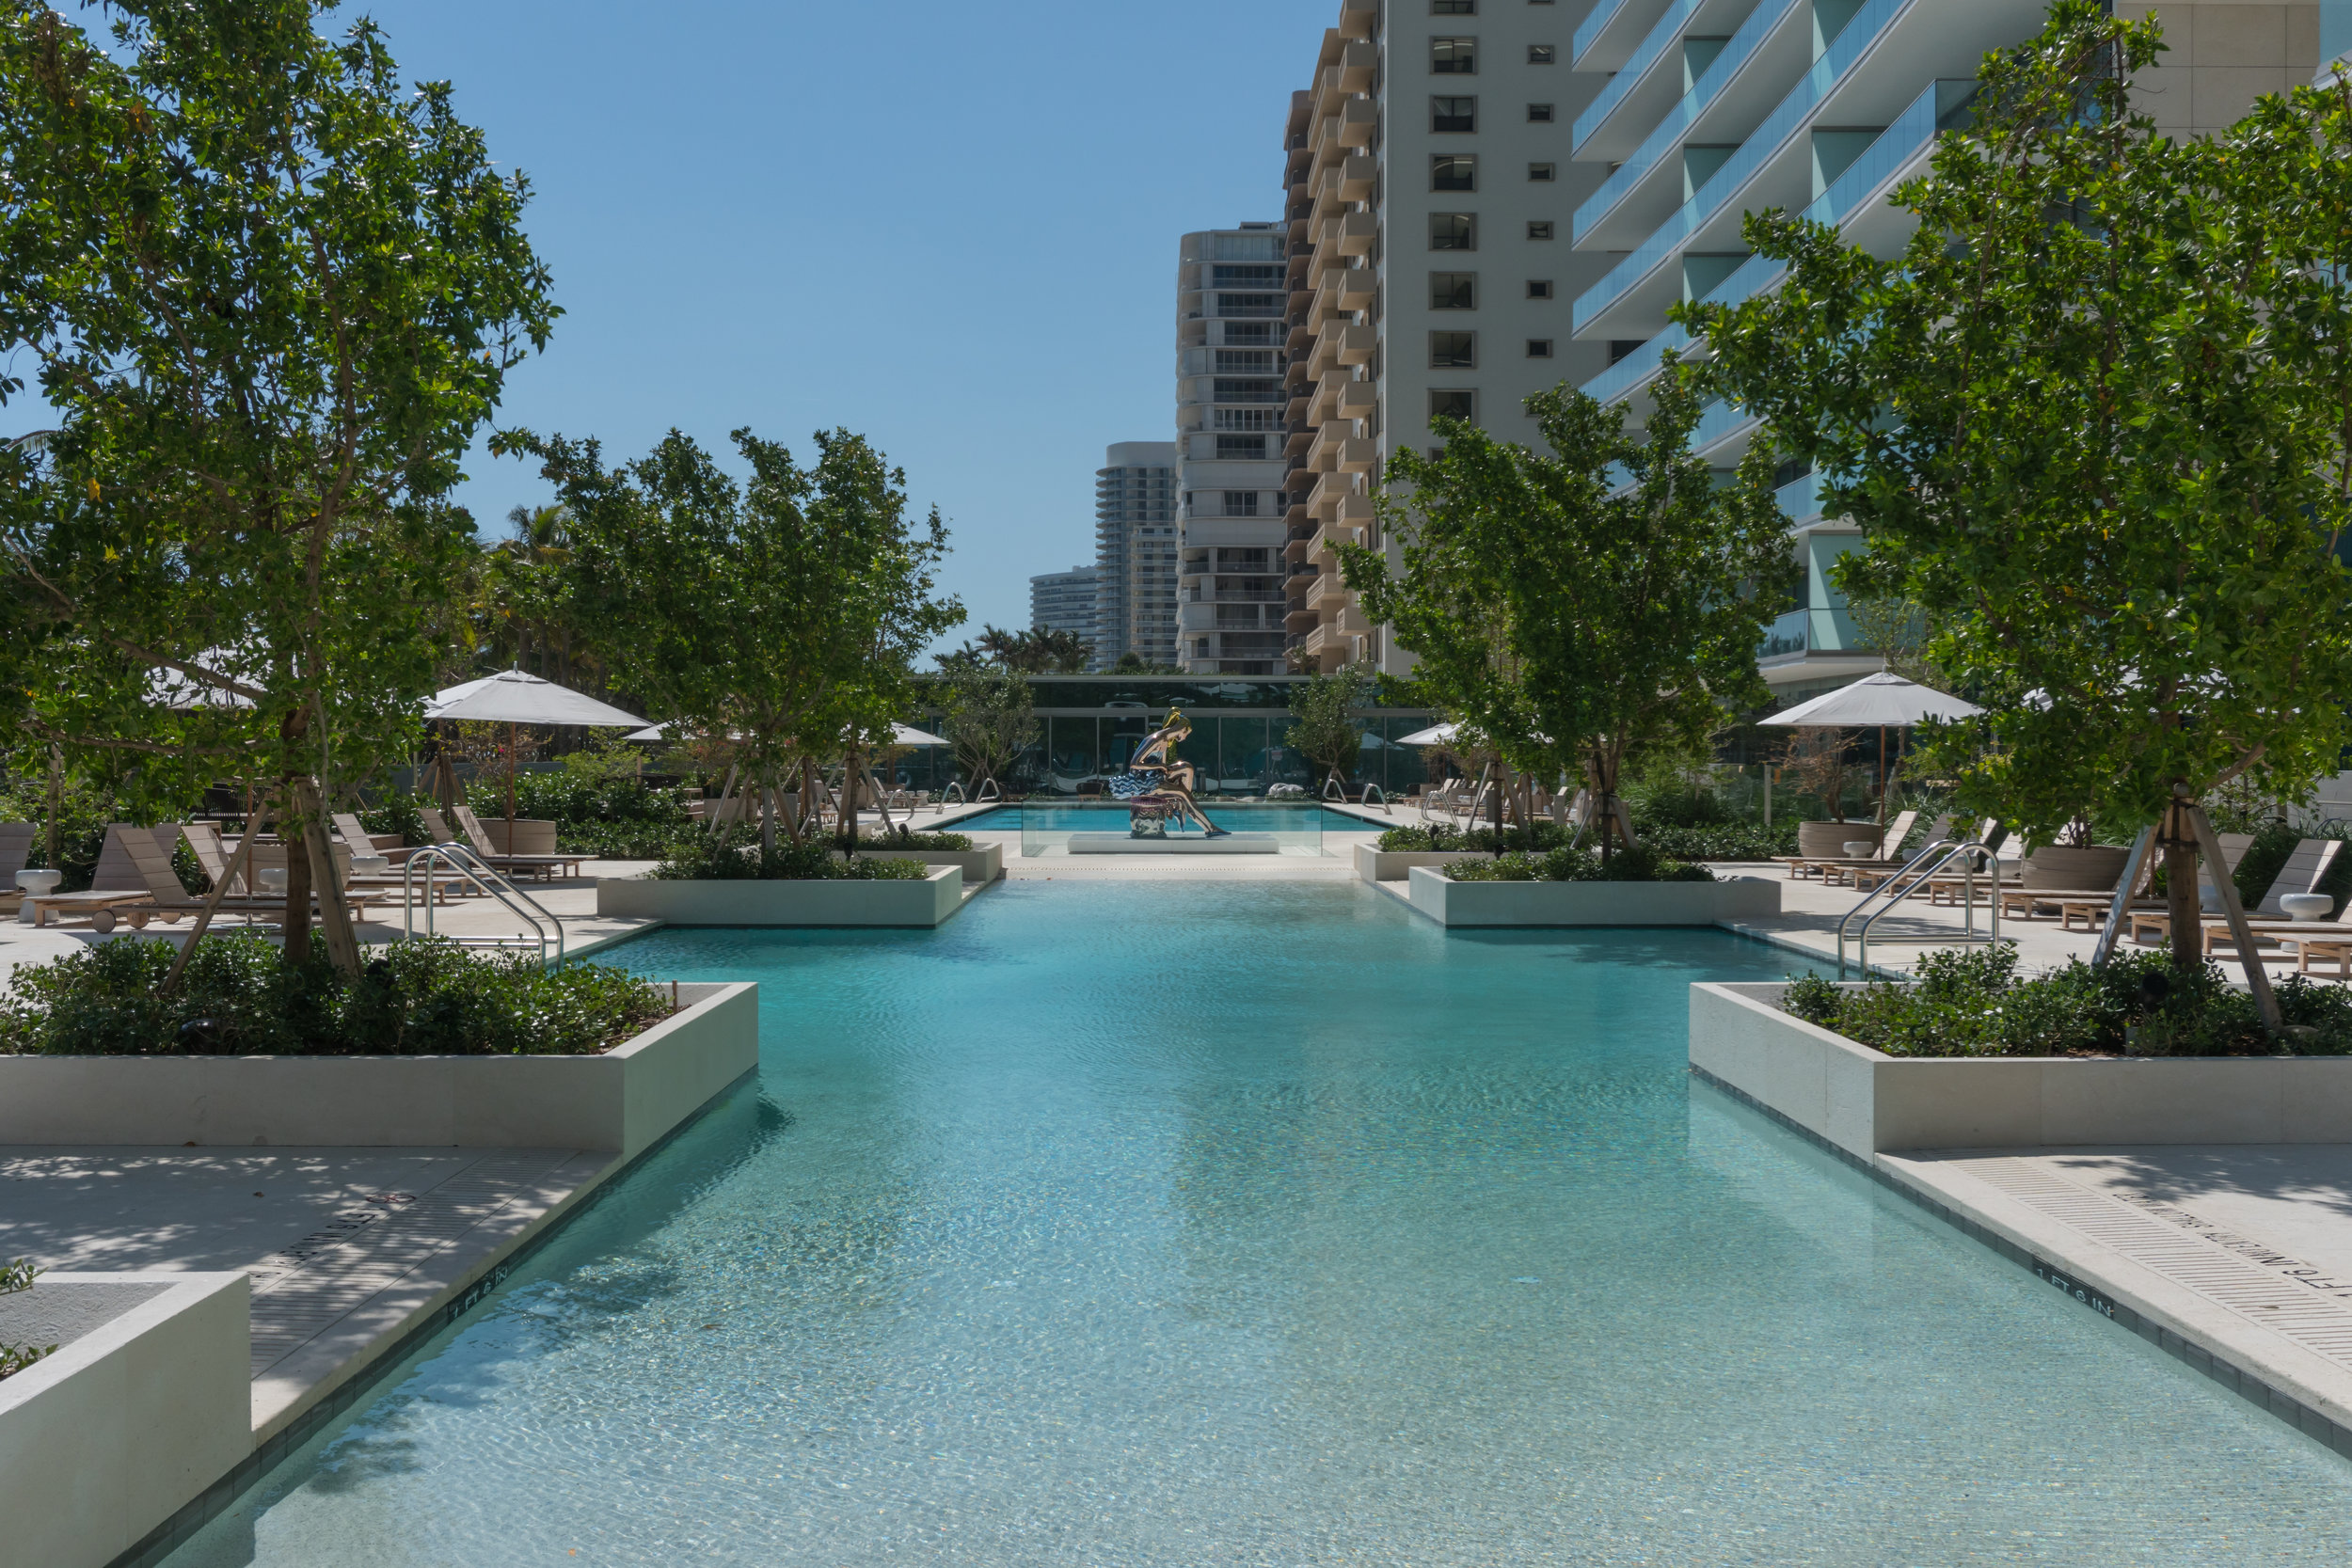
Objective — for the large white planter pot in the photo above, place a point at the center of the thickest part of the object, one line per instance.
(1377, 865)
(2064, 868)
(1868, 1102)
(624, 1099)
(928, 902)
(1451, 903)
(1827, 841)
(146, 1402)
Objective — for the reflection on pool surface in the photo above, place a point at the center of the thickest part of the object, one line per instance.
(1112, 817)
(1181, 1224)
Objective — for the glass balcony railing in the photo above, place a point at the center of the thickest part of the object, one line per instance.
(1791, 118)
(1811, 631)
(1667, 137)
(1800, 499)
(1942, 106)
(1589, 28)
(1668, 31)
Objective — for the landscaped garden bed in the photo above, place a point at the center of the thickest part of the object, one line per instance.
(723, 882)
(1975, 1056)
(1575, 887)
(143, 1404)
(430, 1045)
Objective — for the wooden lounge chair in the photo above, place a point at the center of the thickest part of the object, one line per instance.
(2305, 869)
(116, 884)
(2336, 945)
(1842, 868)
(164, 899)
(1864, 877)
(544, 866)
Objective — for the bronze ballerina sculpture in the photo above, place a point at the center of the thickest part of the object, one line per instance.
(1157, 786)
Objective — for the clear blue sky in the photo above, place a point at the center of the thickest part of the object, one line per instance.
(950, 226)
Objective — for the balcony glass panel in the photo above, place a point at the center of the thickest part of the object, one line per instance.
(1728, 182)
(1811, 631)
(1667, 138)
(1666, 35)
(1591, 26)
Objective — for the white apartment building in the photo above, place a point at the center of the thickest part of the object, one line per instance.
(1135, 553)
(1715, 108)
(1430, 188)
(1231, 302)
(1066, 601)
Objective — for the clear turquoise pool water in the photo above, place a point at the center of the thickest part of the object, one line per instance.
(1257, 818)
(1197, 1224)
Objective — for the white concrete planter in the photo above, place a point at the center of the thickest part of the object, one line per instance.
(145, 1405)
(624, 1099)
(745, 902)
(1451, 903)
(981, 864)
(1377, 865)
(1868, 1102)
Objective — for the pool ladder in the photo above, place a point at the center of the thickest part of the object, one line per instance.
(1916, 873)
(544, 923)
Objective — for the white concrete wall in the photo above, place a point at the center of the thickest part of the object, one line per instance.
(1868, 1102)
(624, 1099)
(2221, 56)
(764, 903)
(1451, 903)
(126, 1424)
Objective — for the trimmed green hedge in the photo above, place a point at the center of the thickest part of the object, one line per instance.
(1971, 1002)
(728, 858)
(240, 997)
(1578, 865)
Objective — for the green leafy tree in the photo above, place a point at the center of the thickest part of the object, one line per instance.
(2094, 421)
(991, 720)
(271, 293)
(1324, 728)
(1574, 606)
(783, 614)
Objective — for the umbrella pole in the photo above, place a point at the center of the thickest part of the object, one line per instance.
(510, 789)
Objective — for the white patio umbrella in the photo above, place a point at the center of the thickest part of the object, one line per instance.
(1882, 701)
(1436, 734)
(512, 698)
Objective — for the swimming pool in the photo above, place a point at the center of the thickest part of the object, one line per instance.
(1177, 1224)
(1045, 830)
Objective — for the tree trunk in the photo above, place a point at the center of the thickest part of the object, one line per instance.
(848, 801)
(335, 924)
(237, 864)
(297, 926)
(2180, 892)
(767, 818)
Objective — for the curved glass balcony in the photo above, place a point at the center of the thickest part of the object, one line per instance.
(1719, 192)
(1667, 31)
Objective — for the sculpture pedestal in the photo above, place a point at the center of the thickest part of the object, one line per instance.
(1175, 843)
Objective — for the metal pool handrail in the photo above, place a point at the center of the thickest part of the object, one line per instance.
(1909, 880)
(462, 859)
(1372, 789)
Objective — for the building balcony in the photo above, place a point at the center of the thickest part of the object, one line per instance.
(1332, 439)
(1359, 60)
(1610, 34)
(1360, 456)
(1353, 233)
(1359, 175)
(1640, 90)
(1811, 631)
(1721, 107)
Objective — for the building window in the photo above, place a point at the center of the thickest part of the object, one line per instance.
(1453, 56)
(1454, 351)
(1454, 171)
(1541, 53)
(1543, 172)
(1540, 287)
(1453, 8)
(1539, 228)
(1454, 113)
(1539, 348)
(1454, 290)
(1233, 447)
(1244, 361)
(1539, 114)
(1453, 231)
(1452, 403)
(1240, 503)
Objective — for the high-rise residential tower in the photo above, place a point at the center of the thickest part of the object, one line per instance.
(1231, 302)
(1067, 601)
(1430, 188)
(1135, 553)
(1717, 108)
(1488, 197)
